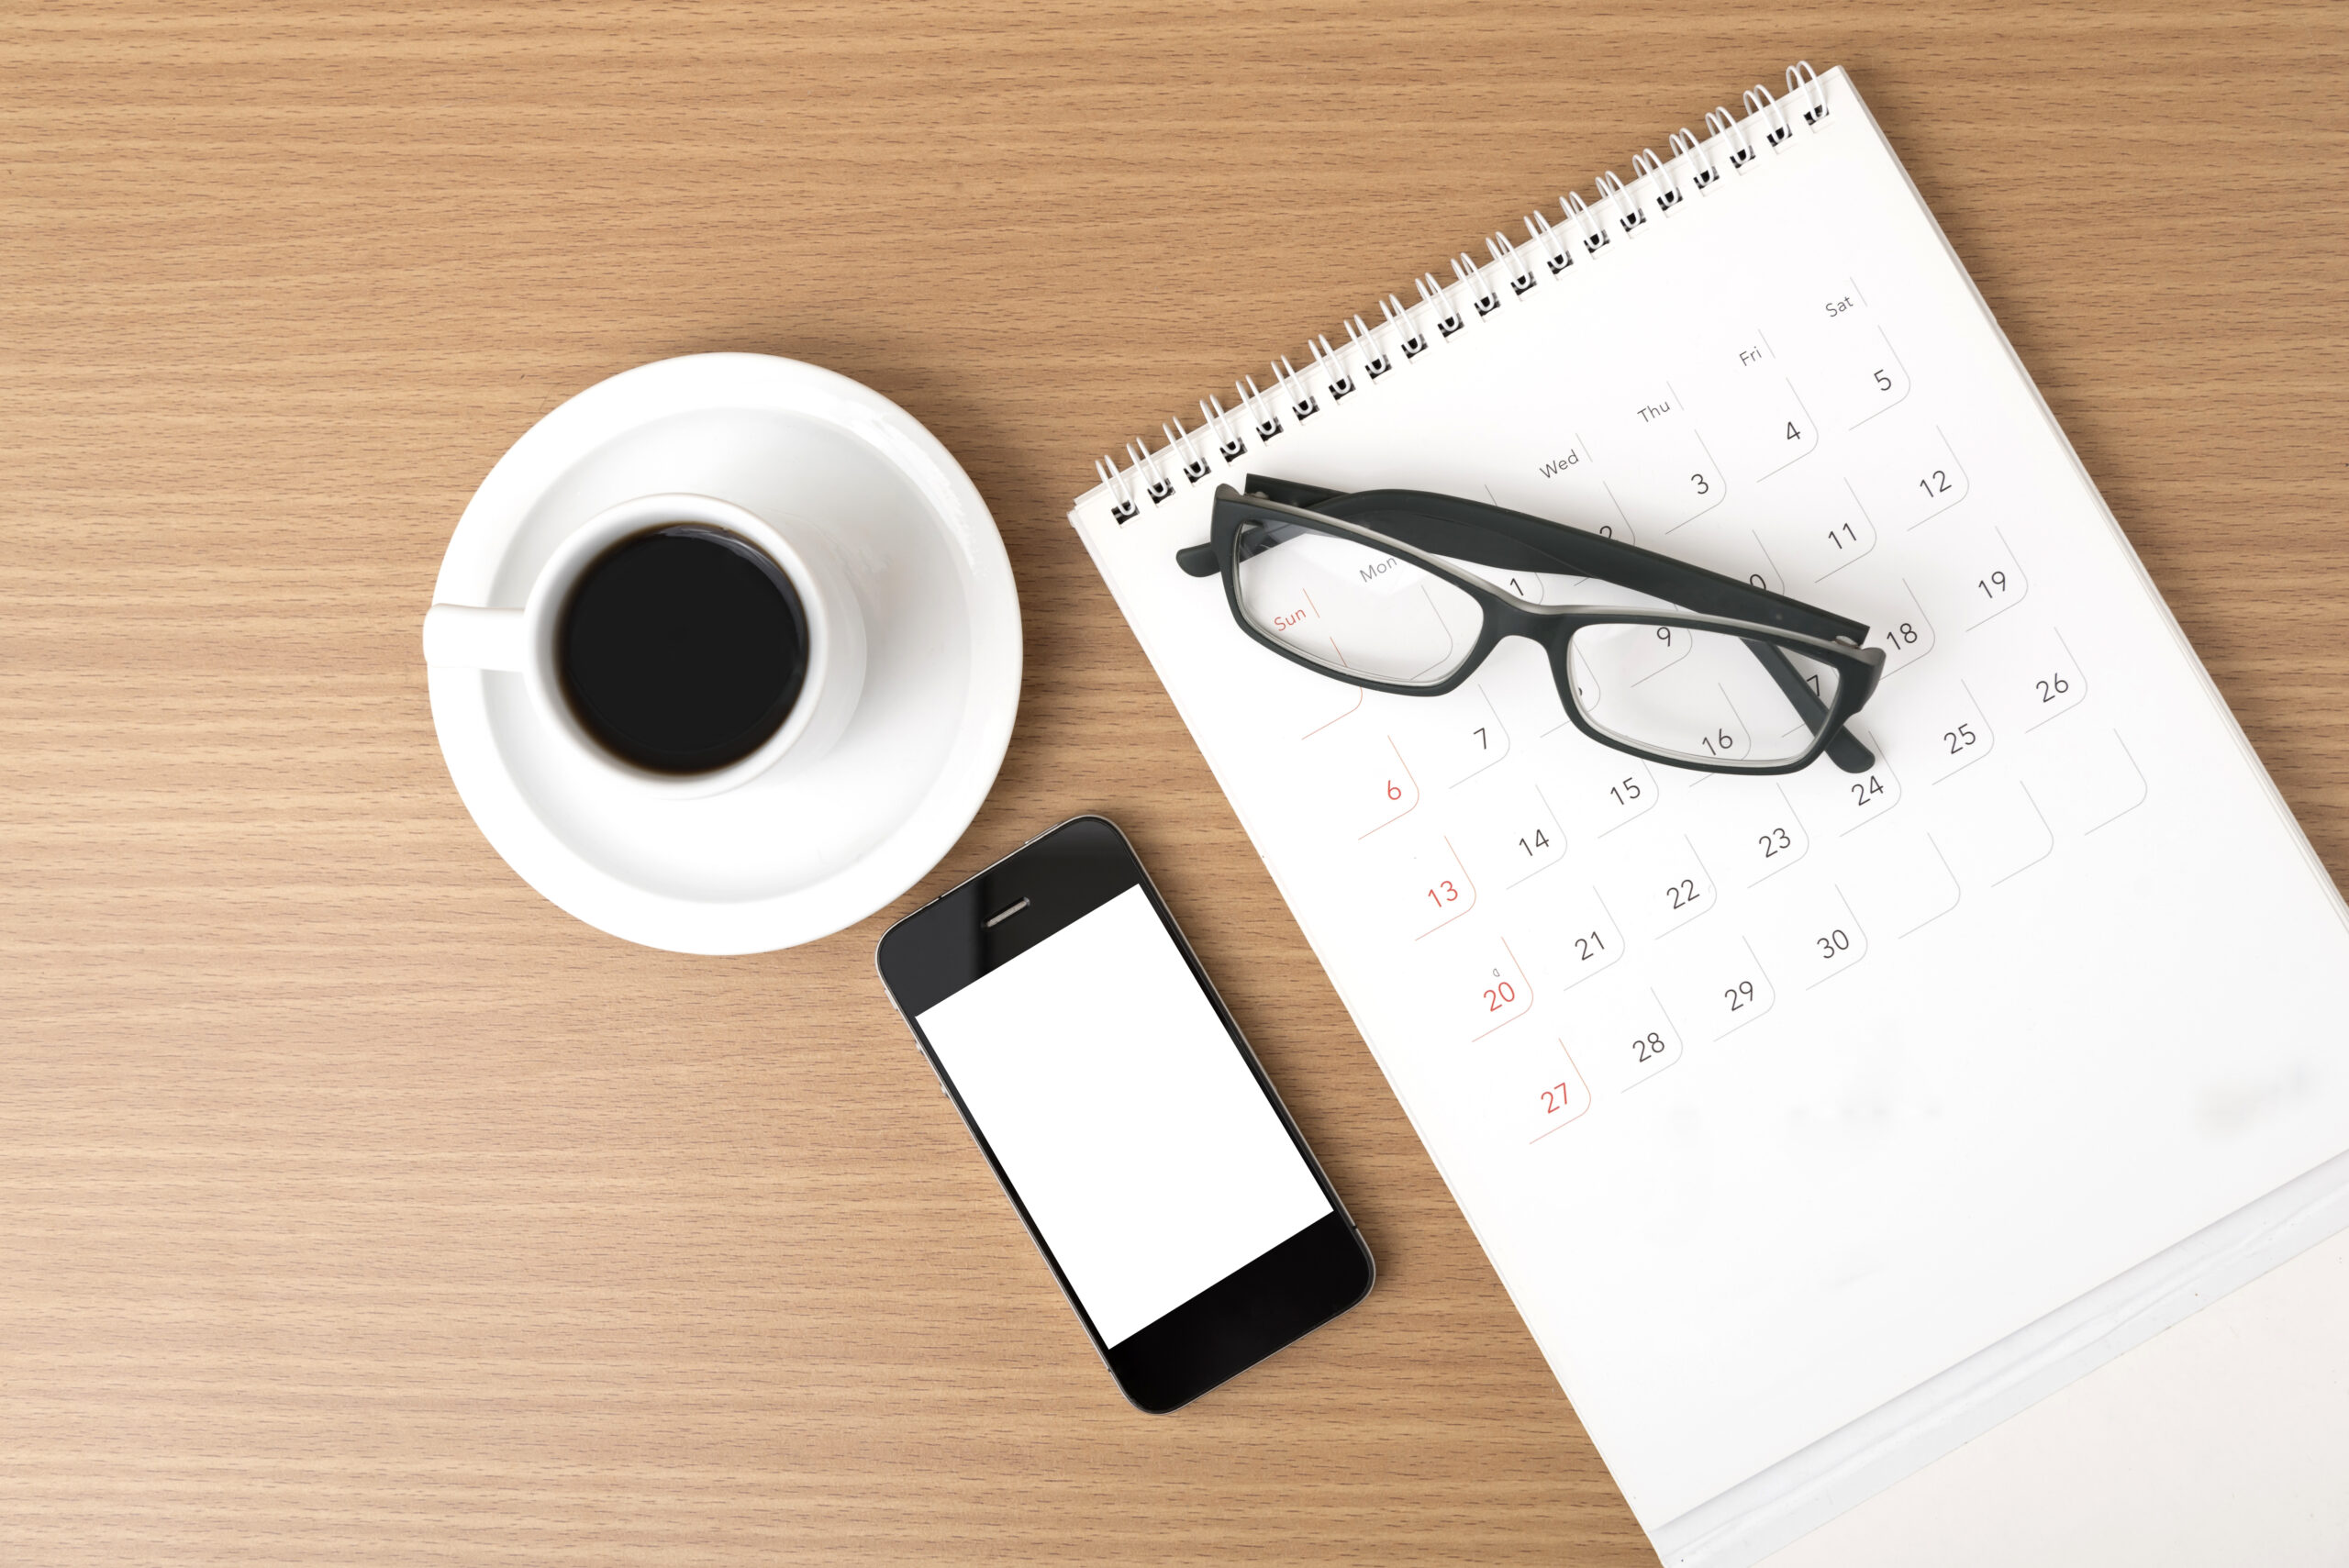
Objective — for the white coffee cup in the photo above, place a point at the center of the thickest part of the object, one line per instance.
(523, 641)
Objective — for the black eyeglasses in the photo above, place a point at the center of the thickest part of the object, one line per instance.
(1379, 588)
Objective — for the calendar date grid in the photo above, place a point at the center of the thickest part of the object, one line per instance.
(1648, 908)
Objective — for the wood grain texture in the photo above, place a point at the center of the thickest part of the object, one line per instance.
(356, 1206)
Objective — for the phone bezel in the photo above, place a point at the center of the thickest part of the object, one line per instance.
(1271, 1302)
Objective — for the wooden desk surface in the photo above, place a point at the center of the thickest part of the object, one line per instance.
(357, 1205)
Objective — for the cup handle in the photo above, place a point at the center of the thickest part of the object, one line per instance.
(469, 639)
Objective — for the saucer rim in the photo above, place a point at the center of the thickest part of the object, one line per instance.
(909, 850)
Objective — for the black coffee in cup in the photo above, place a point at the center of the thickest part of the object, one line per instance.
(683, 649)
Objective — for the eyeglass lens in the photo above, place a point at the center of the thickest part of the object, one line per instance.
(1705, 696)
(1349, 606)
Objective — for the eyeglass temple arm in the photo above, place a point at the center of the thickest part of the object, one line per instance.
(1482, 534)
(1845, 749)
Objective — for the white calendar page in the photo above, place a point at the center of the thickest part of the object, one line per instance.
(1772, 1098)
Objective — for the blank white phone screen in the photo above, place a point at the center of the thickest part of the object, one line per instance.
(1128, 1122)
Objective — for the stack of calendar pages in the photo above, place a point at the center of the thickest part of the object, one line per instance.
(1814, 1123)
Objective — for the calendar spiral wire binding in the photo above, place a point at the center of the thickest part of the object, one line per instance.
(1260, 414)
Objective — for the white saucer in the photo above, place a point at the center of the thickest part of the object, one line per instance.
(786, 859)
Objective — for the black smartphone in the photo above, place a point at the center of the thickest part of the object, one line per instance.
(1128, 1122)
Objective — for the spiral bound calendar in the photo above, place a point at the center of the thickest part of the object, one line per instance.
(1814, 1123)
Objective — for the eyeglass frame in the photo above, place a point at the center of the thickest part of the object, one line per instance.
(1473, 531)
